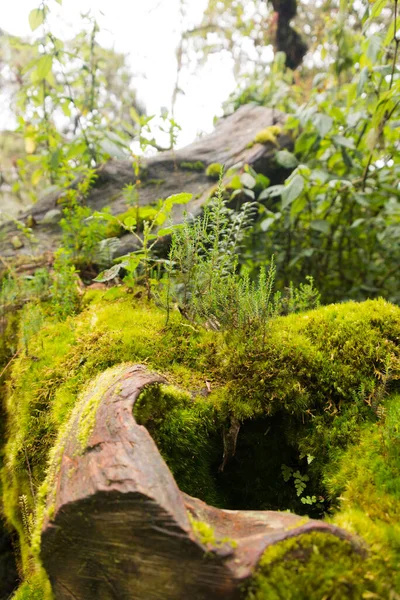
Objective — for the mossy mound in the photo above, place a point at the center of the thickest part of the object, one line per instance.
(313, 567)
(302, 394)
(365, 481)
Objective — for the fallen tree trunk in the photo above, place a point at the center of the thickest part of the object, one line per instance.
(167, 173)
(118, 527)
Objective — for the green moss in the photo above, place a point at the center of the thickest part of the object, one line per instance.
(36, 587)
(207, 536)
(268, 135)
(364, 483)
(92, 397)
(213, 171)
(312, 567)
(188, 433)
(193, 166)
(155, 182)
(315, 387)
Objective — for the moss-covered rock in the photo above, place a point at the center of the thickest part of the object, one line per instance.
(308, 394)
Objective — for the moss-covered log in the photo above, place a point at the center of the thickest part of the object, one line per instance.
(311, 403)
(117, 527)
(232, 143)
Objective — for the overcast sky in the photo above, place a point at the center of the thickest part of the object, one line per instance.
(148, 31)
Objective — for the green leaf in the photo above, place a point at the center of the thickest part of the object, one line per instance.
(133, 261)
(304, 142)
(36, 18)
(390, 34)
(36, 177)
(130, 223)
(378, 7)
(374, 45)
(165, 231)
(286, 472)
(65, 108)
(102, 215)
(298, 205)
(134, 115)
(55, 159)
(271, 192)
(266, 223)
(108, 274)
(286, 159)
(340, 140)
(59, 2)
(356, 223)
(262, 181)
(235, 183)
(364, 76)
(292, 190)
(323, 124)
(321, 225)
(248, 180)
(112, 148)
(43, 67)
(182, 198)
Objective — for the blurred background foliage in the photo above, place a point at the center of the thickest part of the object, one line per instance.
(332, 66)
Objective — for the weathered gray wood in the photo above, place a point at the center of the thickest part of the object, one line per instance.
(117, 526)
(229, 144)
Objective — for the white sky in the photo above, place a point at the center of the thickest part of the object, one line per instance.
(148, 31)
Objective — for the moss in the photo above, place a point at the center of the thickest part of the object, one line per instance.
(36, 587)
(193, 166)
(315, 387)
(92, 397)
(213, 171)
(268, 135)
(188, 433)
(155, 182)
(364, 483)
(312, 567)
(207, 536)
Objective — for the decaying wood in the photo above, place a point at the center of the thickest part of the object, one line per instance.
(118, 527)
(165, 174)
